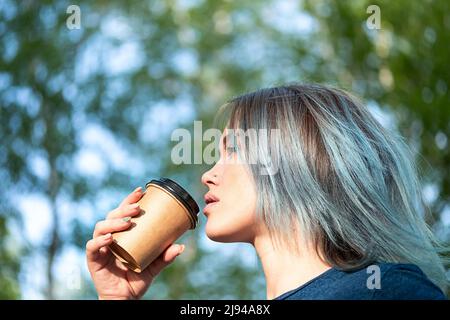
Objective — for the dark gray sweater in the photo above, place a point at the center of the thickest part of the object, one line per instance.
(395, 282)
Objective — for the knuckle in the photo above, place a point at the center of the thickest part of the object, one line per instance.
(98, 225)
(112, 212)
(119, 210)
(89, 244)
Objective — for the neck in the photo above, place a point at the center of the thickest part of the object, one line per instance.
(285, 270)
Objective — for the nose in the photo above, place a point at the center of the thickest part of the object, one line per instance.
(209, 177)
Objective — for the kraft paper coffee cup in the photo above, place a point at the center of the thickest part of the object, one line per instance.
(168, 211)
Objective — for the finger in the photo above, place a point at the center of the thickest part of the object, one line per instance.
(132, 197)
(129, 210)
(93, 246)
(166, 258)
(111, 225)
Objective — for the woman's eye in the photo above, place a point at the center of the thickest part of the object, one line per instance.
(231, 149)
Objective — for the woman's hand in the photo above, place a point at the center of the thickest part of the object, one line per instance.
(111, 278)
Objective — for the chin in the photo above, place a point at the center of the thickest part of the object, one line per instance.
(217, 235)
(220, 234)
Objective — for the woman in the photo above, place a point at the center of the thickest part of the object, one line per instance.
(330, 203)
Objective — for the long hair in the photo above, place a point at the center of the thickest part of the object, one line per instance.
(350, 185)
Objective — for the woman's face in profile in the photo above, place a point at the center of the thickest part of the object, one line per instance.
(231, 199)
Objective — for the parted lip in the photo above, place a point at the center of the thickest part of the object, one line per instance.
(209, 198)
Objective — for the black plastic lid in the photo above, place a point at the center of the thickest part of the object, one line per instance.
(180, 193)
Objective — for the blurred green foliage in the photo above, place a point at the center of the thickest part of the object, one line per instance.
(185, 58)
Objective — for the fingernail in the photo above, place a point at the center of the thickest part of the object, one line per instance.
(181, 249)
(126, 219)
(107, 236)
(137, 189)
(134, 206)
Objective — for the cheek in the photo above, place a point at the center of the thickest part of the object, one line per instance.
(240, 198)
(234, 218)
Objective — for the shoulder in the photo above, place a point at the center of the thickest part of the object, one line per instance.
(388, 281)
(406, 281)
